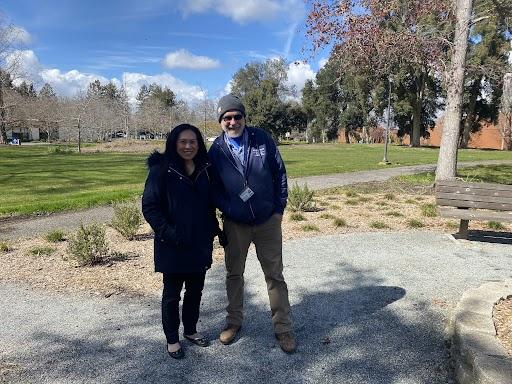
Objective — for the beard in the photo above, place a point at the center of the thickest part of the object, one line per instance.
(234, 133)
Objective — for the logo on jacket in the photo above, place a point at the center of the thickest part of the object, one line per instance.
(259, 151)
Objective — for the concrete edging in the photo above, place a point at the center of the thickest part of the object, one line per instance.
(477, 354)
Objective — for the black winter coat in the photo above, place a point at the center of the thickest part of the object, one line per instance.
(180, 211)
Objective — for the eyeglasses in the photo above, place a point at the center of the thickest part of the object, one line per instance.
(189, 142)
(237, 117)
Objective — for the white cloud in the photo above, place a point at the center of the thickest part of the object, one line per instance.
(246, 11)
(184, 91)
(17, 35)
(228, 87)
(298, 73)
(70, 82)
(249, 10)
(184, 59)
(23, 65)
(322, 62)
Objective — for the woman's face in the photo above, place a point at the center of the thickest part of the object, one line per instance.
(187, 146)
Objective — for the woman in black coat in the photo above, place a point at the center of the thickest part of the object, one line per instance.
(178, 206)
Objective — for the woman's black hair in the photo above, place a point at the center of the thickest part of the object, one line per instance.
(171, 155)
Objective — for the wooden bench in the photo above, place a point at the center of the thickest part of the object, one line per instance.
(473, 201)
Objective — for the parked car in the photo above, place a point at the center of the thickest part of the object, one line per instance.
(145, 135)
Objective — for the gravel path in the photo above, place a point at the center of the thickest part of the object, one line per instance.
(14, 228)
(368, 308)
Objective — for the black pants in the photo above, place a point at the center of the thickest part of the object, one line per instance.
(173, 283)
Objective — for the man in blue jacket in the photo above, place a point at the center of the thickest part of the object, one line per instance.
(251, 191)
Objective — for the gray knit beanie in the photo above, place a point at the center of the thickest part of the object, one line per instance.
(229, 103)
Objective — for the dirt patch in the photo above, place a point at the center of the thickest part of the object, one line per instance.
(502, 316)
(129, 268)
(125, 145)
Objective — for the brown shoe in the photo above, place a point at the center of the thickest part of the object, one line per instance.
(228, 333)
(286, 341)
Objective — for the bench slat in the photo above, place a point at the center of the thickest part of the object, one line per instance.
(468, 214)
(456, 183)
(473, 191)
(467, 197)
(473, 204)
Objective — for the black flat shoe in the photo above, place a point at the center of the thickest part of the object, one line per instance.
(201, 341)
(179, 354)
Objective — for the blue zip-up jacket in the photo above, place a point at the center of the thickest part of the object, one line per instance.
(264, 173)
(180, 211)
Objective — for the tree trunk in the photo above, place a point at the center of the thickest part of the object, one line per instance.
(416, 124)
(416, 112)
(447, 160)
(470, 118)
(79, 137)
(3, 129)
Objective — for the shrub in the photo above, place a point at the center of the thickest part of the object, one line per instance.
(339, 222)
(55, 236)
(41, 251)
(310, 227)
(495, 225)
(364, 199)
(127, 219)
(64, 150)
(389, 196)
(351, 194)
(351, 202)
(327, 216)
(301, 198)
(452, 225)
(394, 213)
(378, 225)
(414, 223)
(297, 216)
(5, 247)
(410, 201)
(88, 245)
(428, 210)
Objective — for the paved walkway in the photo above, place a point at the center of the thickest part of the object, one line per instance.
(15, 228)
(368, 308)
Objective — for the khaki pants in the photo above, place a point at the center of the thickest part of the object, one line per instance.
(267, 238)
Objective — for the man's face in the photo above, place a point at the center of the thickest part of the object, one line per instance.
(233, 123)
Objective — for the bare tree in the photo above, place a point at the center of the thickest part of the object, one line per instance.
(9, 62)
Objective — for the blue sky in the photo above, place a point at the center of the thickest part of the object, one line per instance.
(191, 46)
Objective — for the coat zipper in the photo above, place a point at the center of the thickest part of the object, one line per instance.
(186, 177)
(244, 176)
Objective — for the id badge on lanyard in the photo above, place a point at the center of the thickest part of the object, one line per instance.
(246, 193)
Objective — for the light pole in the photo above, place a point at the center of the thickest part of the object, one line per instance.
(385, 160)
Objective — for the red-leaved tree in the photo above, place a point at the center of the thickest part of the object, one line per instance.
(382, 37)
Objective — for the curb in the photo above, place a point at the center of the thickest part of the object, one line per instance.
(477, 354)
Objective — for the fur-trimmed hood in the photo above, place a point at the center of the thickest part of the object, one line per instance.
(155, 158)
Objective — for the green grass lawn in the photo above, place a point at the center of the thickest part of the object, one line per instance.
(318, 159)
(501, 174)
(34, 179)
